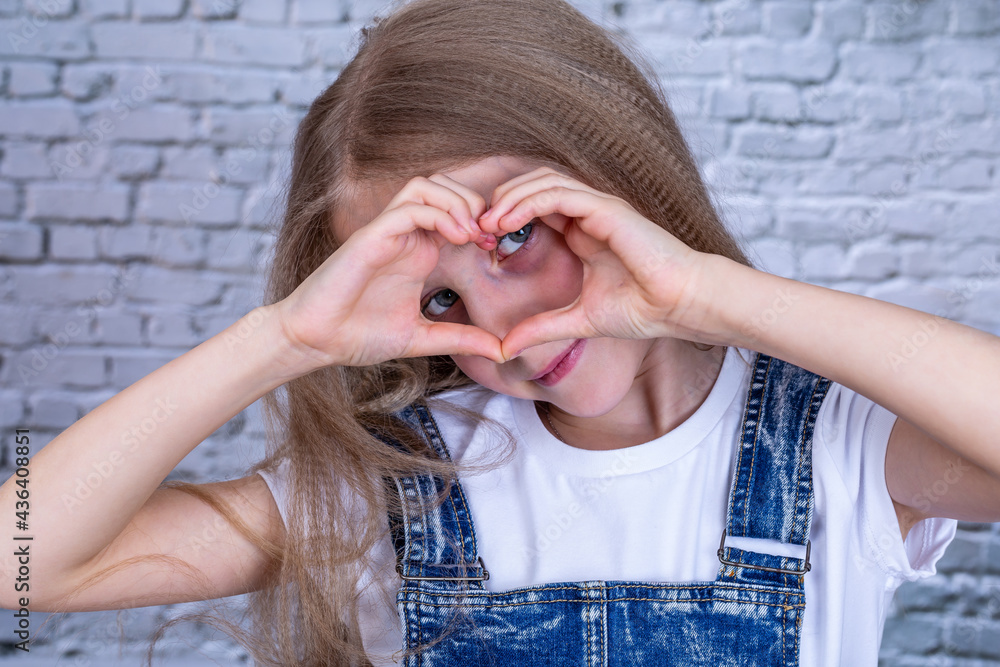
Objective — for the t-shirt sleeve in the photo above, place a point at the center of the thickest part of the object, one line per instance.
(855, 432)
(277, 481)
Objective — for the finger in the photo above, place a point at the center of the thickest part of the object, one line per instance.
(421, 190)
(508, 194)
(474, 200)
(410, 216)
(564, 323)
(451, 338)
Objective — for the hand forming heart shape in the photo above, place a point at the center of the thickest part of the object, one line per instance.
(362, 305)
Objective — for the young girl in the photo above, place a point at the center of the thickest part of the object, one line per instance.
(537, 406)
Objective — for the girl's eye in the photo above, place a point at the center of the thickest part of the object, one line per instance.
(514, 241)
(440, 302)
(507, 245)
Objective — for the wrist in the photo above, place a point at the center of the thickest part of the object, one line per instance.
(263, 332)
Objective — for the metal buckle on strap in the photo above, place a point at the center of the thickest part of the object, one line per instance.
(483, 577)
(780, 570)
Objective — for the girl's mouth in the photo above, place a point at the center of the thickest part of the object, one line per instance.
(563, 365)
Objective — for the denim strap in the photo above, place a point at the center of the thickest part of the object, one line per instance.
(771, 496)
(431, 542)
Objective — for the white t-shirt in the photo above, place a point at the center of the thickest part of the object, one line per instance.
(656, 512)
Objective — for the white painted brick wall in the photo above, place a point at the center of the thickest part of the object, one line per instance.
(852, 143)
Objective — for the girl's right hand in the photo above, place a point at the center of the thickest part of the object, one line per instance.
(361, 306)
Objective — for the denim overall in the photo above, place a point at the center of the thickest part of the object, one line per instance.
(751, 614)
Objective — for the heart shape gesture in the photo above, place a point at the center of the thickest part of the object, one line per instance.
(639, 281)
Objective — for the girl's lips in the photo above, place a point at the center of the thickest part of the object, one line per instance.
(564, 365)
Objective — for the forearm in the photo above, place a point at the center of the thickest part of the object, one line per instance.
(942, 376)
(88, 482)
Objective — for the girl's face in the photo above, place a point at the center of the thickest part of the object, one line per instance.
(526, 273)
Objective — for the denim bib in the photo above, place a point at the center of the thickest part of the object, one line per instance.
(750, 615)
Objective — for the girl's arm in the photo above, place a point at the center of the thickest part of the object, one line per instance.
(940, 378)
(93, 489)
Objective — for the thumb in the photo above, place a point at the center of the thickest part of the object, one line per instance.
(562, 324)
(441, 338)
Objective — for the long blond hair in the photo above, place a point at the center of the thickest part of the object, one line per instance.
(435, 84)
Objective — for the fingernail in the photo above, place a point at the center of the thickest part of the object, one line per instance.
(487, 214)
(483, 236)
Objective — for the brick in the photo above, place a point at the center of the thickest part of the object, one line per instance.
(127, 242)
(15, 325)
(48, 364)
(317, 11)
(72, 242)
(215, 9)
(49, 9)
(160, 285)
(975, 219)
(116, 328)
(203, 203)
(161, 124)
(823, 261)
(234, 249)
(782, 60)
(8, 200)
(916, 217)
(918, 635)
(152, 41)
(81, 160)
(32, 79)
(250, 45)
(919, 258)
(85, 81)
(871, 261)
(146, 10)
(965, 58)
(879, 63)
(20, 241)
(838, 22)
(739, 18)
(195, 162)
(791, 143)
(730, 103)
(263, 11)
(681, 17)
(25, 160)
(239, 165)
(886, 177)
(254, 129)
(875, 144)
(172, 329)
(336, 46)
(969, 174)
(979, 260)
(826, 180)
(712, 57)
(179, 246)
(52, 410)
(134, 162)
(35, 36)
(896, 21)
(11, 408)
(69, 201)
(205, 85)
(820, 223)
(105, 9)
(787, 19)
(776, 102)
(42, 119)
(975, 17)
(68, 284)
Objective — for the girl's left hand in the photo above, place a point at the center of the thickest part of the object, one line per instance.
(639, 281)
